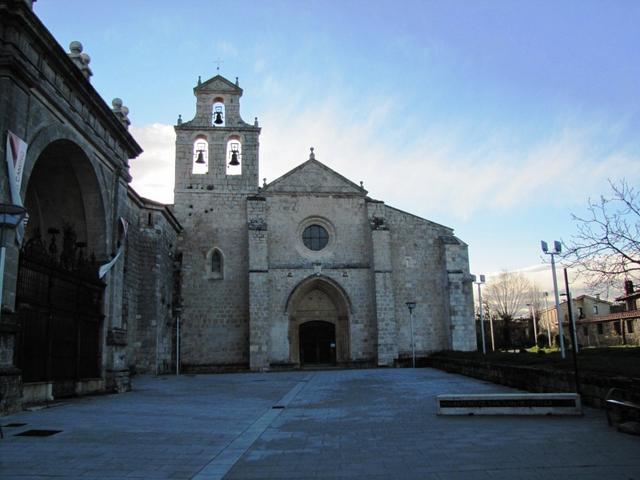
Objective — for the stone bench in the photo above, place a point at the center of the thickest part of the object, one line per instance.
(510, 404)
(618, 399)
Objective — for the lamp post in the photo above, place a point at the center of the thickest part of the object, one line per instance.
(572, 328)
(10, 218)
(479, 283)
(557, 248)
(411, 306)
(533, 316)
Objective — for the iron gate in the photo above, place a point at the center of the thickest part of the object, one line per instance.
(59, 304)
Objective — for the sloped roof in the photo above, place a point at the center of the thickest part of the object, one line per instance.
(218, 84)
(314, 176)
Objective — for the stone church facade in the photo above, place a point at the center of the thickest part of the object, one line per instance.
(307, 269)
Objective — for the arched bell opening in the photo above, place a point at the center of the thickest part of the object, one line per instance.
(200, 164)
(218, 112)
(234, 155)
(59, 296)
(318, 323)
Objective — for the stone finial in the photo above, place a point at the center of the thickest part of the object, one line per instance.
(255, 121)
(312, 156)
(120, 111)
(199, 80)
(81, 60)
(237, 82)
(75, 48)
(179, 119)
(264, 182)
(361, 185)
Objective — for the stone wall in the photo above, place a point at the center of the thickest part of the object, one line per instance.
(149, 287)
(594, 387)
(215, 317)
(422, 264)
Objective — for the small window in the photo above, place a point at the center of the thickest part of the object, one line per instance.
(315, 237)
(585, 331)
(600, 329)
(580, 312)
(630, 326)
(618, 328)
(595, 309)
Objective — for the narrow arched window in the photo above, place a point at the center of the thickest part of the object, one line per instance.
(234, 156)
(200, 162)
(218, 113)
(216, 262)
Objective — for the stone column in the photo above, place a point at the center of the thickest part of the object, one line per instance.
(258, 284)
(385, 301)
(462, 323)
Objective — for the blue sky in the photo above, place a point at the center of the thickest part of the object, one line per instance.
(496, 118)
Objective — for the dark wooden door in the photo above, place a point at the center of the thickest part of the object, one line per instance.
(317, 343)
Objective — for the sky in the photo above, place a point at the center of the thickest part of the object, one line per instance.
(500, 119)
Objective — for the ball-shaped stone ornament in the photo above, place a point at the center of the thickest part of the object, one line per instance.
(75, 47)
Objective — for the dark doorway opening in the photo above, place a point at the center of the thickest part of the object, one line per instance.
(317, 343)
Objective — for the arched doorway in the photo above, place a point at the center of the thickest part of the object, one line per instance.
(58, 295)
(318, 323)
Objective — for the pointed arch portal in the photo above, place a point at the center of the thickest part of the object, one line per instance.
(318, 323)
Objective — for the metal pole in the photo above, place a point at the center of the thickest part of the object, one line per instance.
(574, 350)
(572, 320)
(178, 345)
(493, 341)
(535, 328)
(413, 343)
(2, 257)
(557, 299)
(484, 346)
(548, 321)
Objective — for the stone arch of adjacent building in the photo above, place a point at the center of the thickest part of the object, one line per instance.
(62, 184)
(318, 310)
(59, 298)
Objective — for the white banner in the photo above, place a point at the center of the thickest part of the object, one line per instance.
(16, 154)
(124, 227)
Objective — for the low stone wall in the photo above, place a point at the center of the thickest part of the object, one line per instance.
(594, 387)
(10, 390)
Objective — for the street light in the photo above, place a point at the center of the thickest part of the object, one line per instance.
(411, 306)
(557, 248)
(479, 283)
(10, 218)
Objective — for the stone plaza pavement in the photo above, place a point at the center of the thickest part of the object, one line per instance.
(365, 424)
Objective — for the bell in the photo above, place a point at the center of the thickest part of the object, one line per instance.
(234, 159)
(200, 159)
(218, 120)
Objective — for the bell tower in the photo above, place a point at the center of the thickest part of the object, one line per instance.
(216, 174)
(216, 151)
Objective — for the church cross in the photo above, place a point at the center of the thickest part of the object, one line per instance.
(219, 62)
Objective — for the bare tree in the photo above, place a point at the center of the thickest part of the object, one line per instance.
(507, 295)
(606, 248)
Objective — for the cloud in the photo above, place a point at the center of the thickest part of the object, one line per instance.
(153, 171)
(432, 169)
